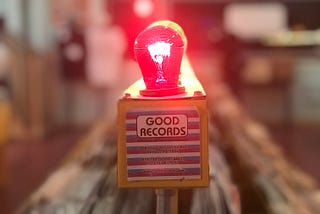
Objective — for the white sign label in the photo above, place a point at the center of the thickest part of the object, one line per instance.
(162, 126)
(163, 143)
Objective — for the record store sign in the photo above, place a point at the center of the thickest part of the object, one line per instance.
(163, 143)
(162, 126)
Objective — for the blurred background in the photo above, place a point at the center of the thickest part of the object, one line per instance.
(65, 63)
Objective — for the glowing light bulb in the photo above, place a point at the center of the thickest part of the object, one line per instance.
(159, 50)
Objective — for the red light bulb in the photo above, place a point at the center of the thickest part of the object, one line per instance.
(159, 50)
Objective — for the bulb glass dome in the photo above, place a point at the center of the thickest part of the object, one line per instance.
(159, 50)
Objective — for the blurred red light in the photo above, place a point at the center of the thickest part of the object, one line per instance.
(143, 8)
(159, 50)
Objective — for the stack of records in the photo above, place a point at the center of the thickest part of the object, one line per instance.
(222, 195)
(261, 171)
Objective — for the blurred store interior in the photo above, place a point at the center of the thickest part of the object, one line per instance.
(65, 63)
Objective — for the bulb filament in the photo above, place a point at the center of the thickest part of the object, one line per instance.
(158, 52)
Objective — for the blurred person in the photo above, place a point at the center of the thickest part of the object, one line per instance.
(106, 46)
(73, 51)
(72, 55)
(232, 63)
(5, 100)
(5, 88)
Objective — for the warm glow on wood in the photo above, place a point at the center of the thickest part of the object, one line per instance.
(188, 80)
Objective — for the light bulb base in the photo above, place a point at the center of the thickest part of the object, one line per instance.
(162, 92)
